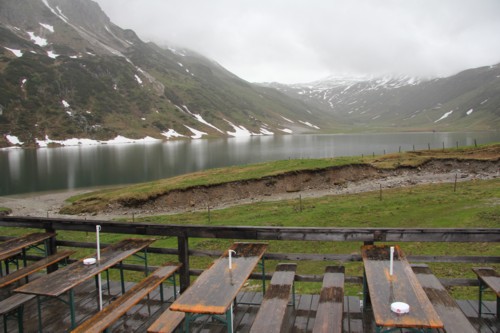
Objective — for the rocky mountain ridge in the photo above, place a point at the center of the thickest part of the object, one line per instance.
(67, 71)
(69, 75)
(467, 100)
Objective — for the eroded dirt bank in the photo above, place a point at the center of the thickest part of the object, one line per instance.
(307, 184)
(335, 180)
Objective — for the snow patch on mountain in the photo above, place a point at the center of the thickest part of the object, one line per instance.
(138, 79)
(444, 116)
(196, 134)
(309, 124)
(52, 54)
(239, 131)
(290, 121)
(13, 140)
(37, 40)
(17, 53)
(171, 133)
(47, 27)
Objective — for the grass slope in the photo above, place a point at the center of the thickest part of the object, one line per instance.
(136, 194)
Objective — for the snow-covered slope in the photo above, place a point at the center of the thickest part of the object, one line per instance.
(468, 100)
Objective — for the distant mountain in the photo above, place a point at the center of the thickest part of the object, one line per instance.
(469, 100)
(66, 71)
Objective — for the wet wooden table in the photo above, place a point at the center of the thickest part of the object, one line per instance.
(382, 289)
(19, 245)
(65, 279)
(214, 291)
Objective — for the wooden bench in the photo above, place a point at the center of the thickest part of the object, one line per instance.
(488, 277)
(272, 315)
(19, 245)
(451, 315)
(330, 311)
(167, 322)
(12, 303)
(33, 268)
(105, 318)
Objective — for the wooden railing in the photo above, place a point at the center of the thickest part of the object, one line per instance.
(183, 233)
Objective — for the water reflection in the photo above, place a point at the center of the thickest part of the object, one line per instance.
(33, 170)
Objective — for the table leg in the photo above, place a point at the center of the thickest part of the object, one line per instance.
(365, 291)
(229, 319)
(187, 321)
(72, 308)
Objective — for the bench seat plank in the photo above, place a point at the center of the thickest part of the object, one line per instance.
(271, 317)
(111, 313)
(15, 245)
(490, 277)
(330, 311)
(167, 322)
(33, 268)
(451, 315)
(13, 302)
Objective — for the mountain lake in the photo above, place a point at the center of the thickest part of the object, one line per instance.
(75, 167)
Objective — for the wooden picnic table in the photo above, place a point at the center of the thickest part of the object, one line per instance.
(65, 279)
(402, 286)
(215, 289)
(18, 245)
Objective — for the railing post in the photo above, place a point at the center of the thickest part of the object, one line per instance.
(51, 248)
(183, 248)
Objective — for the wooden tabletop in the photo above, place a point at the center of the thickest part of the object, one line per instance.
(402, 286)
(14, 246)
(64, 279)
(214, 290)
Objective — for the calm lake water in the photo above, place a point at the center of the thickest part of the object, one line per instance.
(49, 169)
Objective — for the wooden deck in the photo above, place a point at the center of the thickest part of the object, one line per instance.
(56, 314)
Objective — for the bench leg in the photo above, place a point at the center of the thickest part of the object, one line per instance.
(39, 309)
(20, 312)
(122, 278)
(263, 266)
(481, 289)
(498, 307)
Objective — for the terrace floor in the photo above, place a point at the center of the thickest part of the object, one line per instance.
(55, 314)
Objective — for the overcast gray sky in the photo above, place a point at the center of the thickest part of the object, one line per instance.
(304, 40)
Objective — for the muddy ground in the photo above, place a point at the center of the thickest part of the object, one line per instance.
(306, 184)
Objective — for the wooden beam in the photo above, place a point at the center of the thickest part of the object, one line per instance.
(264, 233)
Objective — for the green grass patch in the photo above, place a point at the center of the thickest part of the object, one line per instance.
(474, 204)
(141, 193)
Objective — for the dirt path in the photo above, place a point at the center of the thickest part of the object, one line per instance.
(305, 185)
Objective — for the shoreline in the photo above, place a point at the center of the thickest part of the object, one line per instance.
(48, 204)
